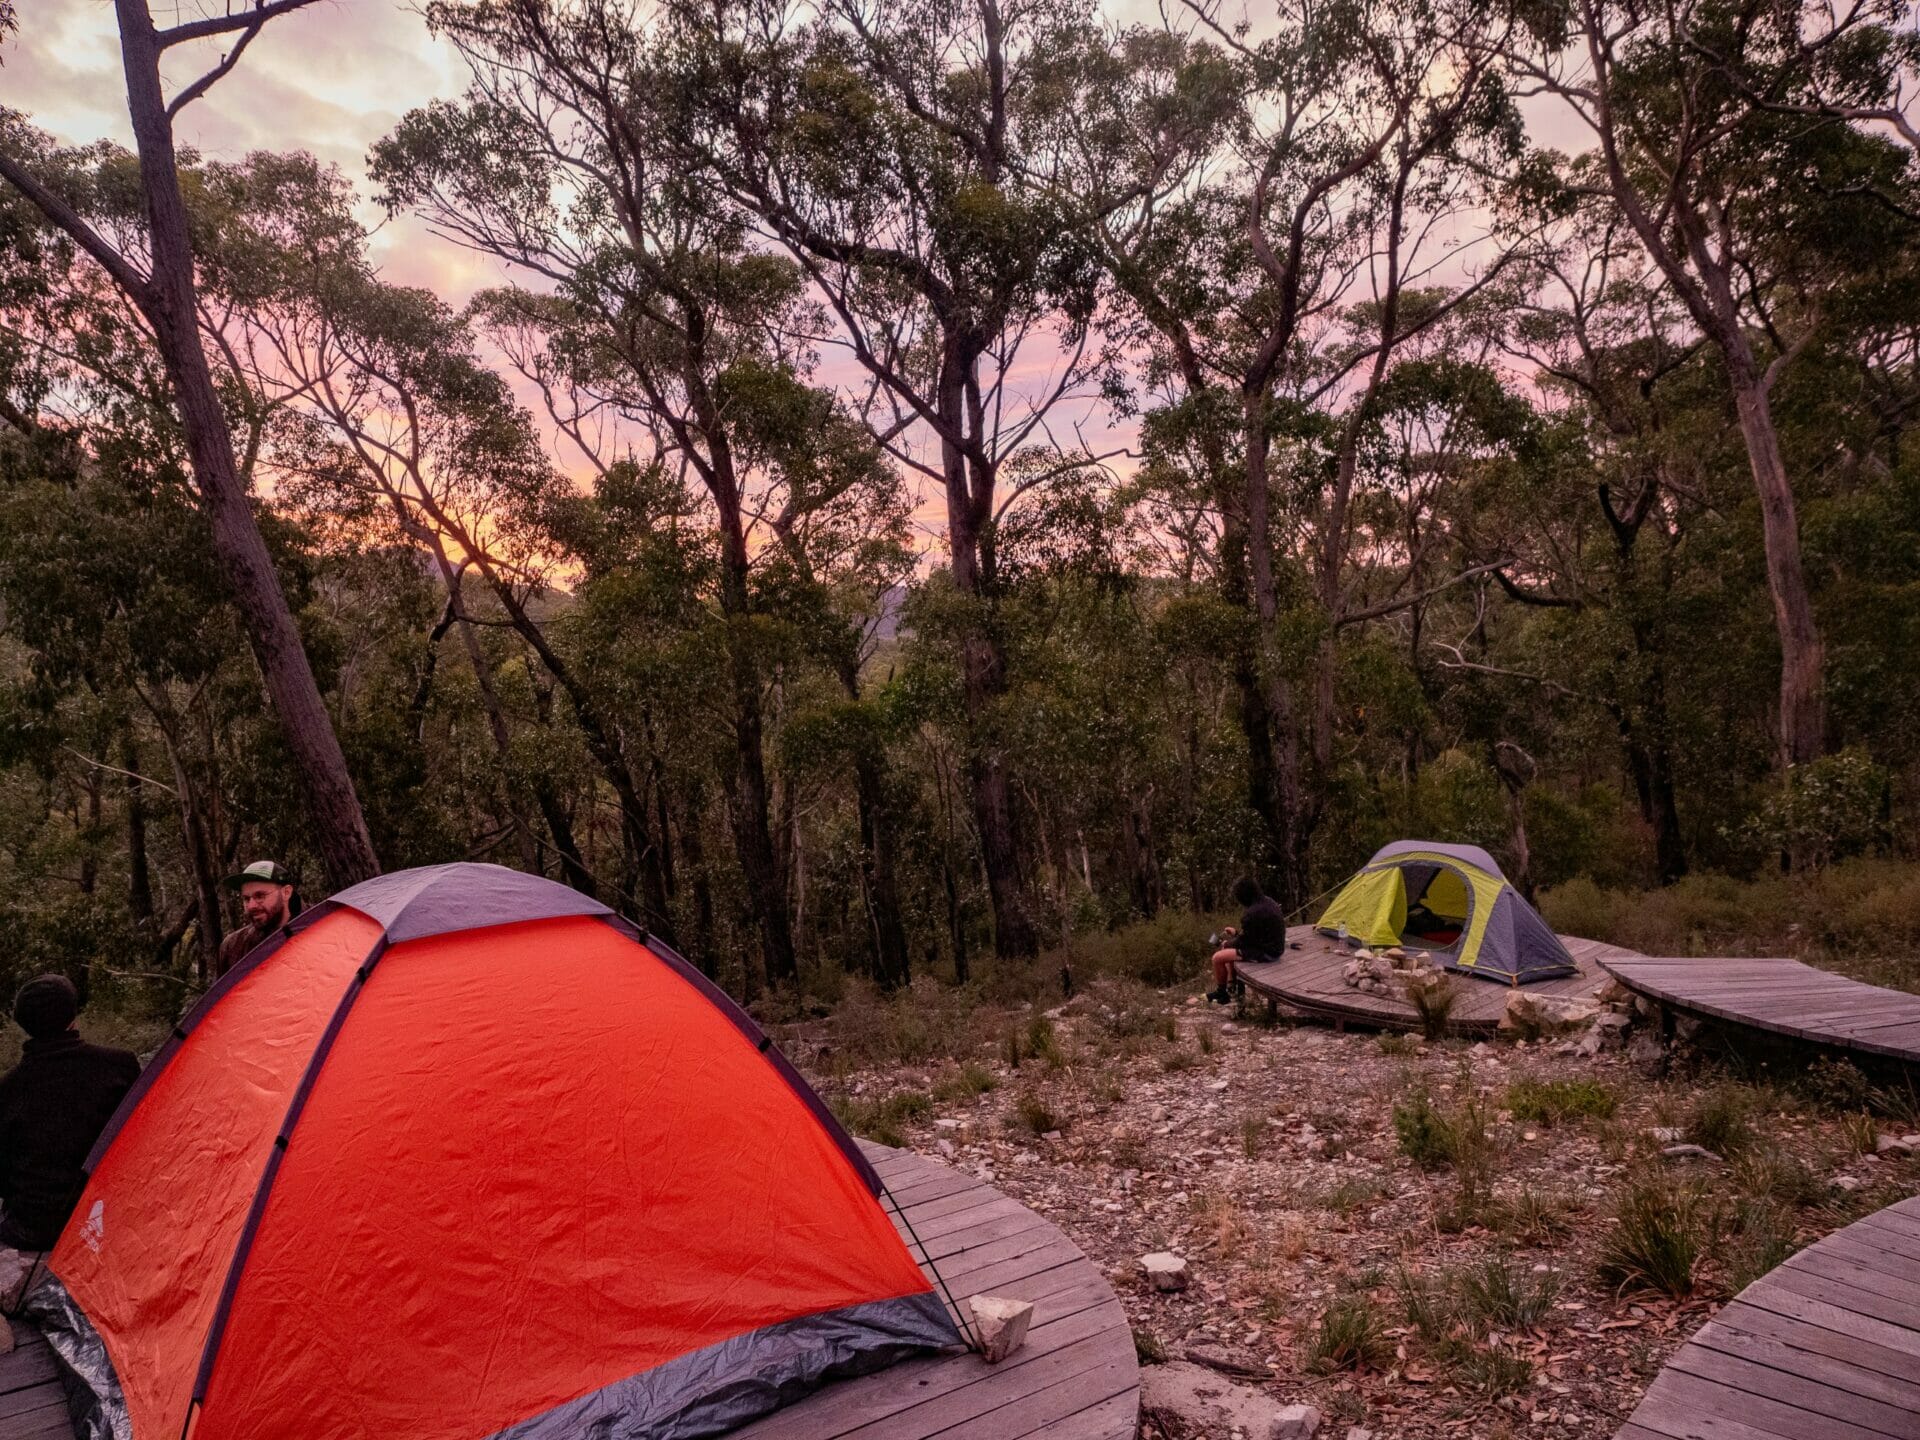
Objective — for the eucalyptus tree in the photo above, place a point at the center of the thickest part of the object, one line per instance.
(908, 157)
(554, 161)
(1274, 291)
(1755, 204)
(156, 271)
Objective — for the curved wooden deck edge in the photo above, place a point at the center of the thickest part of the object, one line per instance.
(1076, 1378)
(1309, 980)
(1781, 996)
(1827, 1344)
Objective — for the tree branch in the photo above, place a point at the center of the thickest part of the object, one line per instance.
(263, 11)
(77, 229)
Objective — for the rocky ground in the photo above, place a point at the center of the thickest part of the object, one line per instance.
(1417, 1239)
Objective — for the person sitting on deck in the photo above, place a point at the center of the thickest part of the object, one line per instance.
(53, 1106)
(1261, 935)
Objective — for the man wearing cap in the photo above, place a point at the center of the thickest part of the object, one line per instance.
(268, 901)
(53, 1106)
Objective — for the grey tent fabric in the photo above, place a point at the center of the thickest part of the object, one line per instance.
(1519, 945)
(1471, 854)
(712, 1391)
(467, 895)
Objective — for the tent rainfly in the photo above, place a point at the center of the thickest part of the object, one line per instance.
(1453, 900)
(462, 1155)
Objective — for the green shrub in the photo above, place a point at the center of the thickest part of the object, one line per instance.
(1505, 1296)
(1438, 1138)
(1391, 1043)
(1170, 949)
(1036, 1114)
(1431, 1310)
(968, 1081)
(1658, 1238)
(1492, 1372)
(1762, 1238)
(1828, 809)
(1433, 1001)
(1043, 1043)
(1349, 1336)
(1253, 1133)
(1835, 1082)
(1536, 1217)
(1775, 1177)
(1860, 917)
(1721, 1120)
(1547, 1102)
(883, 1120)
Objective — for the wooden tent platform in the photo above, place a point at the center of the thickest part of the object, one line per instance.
(1826, 1344)
(1783, 997)
(1076, 1378)
(1309, 980)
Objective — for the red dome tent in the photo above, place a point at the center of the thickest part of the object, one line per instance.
(458, 1155)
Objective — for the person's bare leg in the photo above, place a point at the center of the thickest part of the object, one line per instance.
(1223, 967)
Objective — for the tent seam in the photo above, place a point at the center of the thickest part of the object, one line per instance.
(243, 1247)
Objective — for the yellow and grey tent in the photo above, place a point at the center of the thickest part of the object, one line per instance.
(1452, 900)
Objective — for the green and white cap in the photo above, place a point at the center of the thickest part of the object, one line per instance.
(271, 872)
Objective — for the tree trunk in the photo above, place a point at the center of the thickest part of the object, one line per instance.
(1273, 691)
(643, 880)
(139, 874)
(694, 851)
(766, 880)
(892, 965)
(573, 868)
(339, 827)
(200, 858)
(496, 715)
(1802, 687)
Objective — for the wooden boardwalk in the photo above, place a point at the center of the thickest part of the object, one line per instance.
(1783, 997)
(1076, 1378)
(1309, 979)
(1824, 1347)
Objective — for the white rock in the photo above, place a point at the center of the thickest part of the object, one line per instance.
(1354, 1432)
(1165, 1270)
(1892, 1145)
(1849, 1183)
(1689, 1152)
(1001, 1325)
(1296, 1422)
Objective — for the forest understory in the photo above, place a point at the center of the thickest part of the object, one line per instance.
(1420, 1239)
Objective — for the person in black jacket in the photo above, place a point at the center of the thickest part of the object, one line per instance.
(53, 1106)
(1261, 935)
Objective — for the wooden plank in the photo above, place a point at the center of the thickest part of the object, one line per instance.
(1826, 1344)
(1816, 1341)
(1784, 997)
(1899, 1390)
(28, 1364)
(1786, 1387)
(1118, 1415)
(928, 1396)
(1719, 1410)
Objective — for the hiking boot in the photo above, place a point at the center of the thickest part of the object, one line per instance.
(1221, 996)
